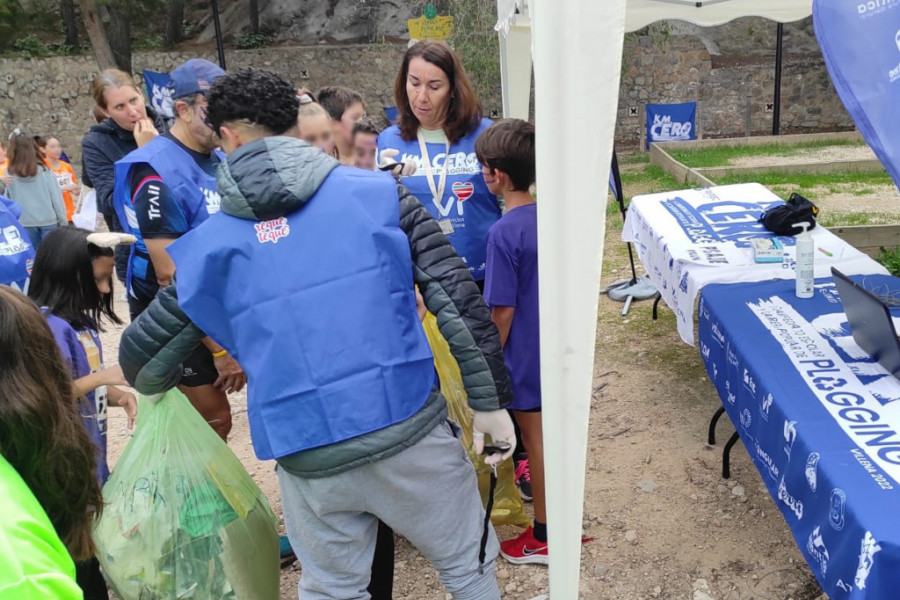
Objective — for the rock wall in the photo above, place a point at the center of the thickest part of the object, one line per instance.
(725, 69)
(730, 72)
(52, 95)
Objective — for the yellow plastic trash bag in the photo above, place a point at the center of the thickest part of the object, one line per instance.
(183, 519)
(507, 502)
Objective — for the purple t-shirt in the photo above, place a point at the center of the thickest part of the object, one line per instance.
(511, 279)
(83, 354)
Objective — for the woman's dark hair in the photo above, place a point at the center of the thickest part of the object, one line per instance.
(508, 145)
(63, 279)
(41, 433)
(261, 98)
(24, 156)
(336, 99)
(464, 113)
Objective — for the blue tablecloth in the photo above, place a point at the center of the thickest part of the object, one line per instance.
(820, 420)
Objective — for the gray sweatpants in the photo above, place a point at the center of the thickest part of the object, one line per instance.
(428, 493)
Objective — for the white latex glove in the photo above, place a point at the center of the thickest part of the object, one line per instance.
(498, 425)
(387, 162)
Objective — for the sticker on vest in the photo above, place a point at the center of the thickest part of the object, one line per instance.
(272, 231)
(446, 226)
(212, 200)
(12, 242)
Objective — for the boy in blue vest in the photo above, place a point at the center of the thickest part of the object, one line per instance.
(506, 153)
(163, 190)
(306, 277)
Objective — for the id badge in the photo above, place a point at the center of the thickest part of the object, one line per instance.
(446, 226)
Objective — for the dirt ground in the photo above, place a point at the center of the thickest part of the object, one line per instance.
(665, 524)
(796, 156)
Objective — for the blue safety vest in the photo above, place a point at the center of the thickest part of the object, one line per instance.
(16, 253)
(467, 209)
(194, 190)
(318, 308)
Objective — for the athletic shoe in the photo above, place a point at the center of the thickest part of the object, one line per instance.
(525, 550)
(285, 550)
(523, 480)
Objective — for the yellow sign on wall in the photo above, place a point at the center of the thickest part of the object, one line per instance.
(436, 28)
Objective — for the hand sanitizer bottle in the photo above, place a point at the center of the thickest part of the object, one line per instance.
(805, 270)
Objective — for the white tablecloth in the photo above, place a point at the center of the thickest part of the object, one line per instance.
(690, 238)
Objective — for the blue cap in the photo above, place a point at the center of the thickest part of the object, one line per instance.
(195, 76)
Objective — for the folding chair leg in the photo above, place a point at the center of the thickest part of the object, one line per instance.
(726, 456)
(712, 426)
(656, 306)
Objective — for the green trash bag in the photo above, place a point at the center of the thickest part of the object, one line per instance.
(183, 519)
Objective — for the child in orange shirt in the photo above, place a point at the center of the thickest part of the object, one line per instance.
(65, 175)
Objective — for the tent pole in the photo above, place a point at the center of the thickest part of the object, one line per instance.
(620, 198)
(779, 56)
(218, 26)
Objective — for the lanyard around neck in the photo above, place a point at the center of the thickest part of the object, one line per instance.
(437, 192)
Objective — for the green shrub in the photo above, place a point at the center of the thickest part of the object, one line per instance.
(890, 259)
(247, 41)
(31, 47)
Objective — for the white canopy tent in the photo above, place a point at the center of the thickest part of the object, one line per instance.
(577, 50)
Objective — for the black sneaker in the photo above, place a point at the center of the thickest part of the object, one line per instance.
(523, 480)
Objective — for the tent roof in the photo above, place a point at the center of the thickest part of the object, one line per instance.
(640, 13)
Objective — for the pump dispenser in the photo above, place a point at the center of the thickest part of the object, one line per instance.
(805, 257)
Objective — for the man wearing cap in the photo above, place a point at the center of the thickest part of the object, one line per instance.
(162, 191)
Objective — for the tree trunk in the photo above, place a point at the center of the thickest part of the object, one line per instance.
(174, 22)
(118, 29)
(70, 22)
(92, 14)
(254, 16)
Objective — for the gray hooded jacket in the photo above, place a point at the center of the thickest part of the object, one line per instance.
(276, 176)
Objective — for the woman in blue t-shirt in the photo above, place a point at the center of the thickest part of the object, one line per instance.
(438, 120)
(72, 283)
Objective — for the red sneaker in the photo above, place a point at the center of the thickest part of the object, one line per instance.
(525, 550)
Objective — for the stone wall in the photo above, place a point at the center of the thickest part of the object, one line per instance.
(728, 70)
(52, 95)
(725, 69)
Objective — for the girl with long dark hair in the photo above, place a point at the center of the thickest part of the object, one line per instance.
(48, 495)
(72, 282)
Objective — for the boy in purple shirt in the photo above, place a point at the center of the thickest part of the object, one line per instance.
(506, 153)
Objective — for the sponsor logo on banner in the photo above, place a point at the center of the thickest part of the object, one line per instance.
(790, 436)
(854, 407)
(664, 129)
(749, 382)
(894, 74)
(704, 351)
(715, 371)
(718, 335)
(731, 356)
(764, 406)
(272, 231)
(29, 265)
(212, 200)
(704, 311)
(764, 457)
(746, 419)
(868, 549)
(841, 585)
(874, 7)
(792, 503)
(836, 506)
(812, 463)
(815, 545)
(729, 395)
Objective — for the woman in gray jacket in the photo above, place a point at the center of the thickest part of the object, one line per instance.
(34, 188)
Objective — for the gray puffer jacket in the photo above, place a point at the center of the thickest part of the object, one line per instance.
(276, 176)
